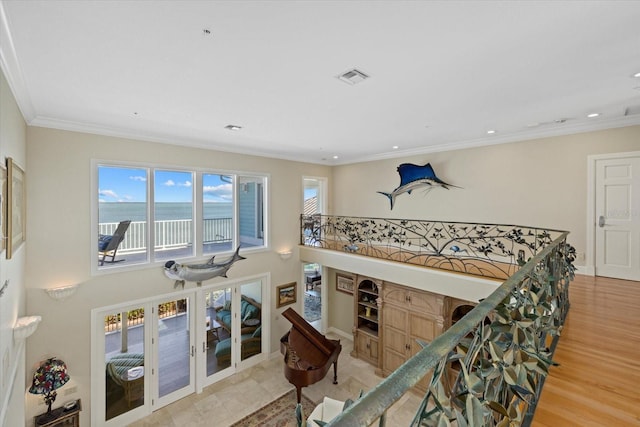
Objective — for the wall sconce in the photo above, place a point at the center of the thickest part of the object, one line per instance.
(25, 326)
(285, 254)
(62, 292)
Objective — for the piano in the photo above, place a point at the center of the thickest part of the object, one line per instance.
(308, 354)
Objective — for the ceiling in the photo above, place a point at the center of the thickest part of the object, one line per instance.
(441, 73)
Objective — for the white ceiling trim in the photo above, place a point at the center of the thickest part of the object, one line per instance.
(11, 68)
(557, 130)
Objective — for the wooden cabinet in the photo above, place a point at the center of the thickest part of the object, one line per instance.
(61, 417)
(367, 319)
(367, 347)
(408, 315)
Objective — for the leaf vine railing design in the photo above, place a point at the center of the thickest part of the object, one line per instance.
(488, 250)
(501, 349)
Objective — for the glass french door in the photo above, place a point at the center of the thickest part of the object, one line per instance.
(148, 354)
(233, 336)
(174, 349)
(124, 349)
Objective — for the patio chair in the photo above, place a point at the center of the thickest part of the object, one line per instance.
(108, 244)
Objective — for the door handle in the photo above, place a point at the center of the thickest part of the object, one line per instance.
(601, 221)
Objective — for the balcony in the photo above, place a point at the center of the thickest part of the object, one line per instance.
(173, 239)
(503, 361)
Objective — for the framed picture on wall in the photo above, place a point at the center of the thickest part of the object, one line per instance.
(286, 294)
(344, 283)
(16, 212)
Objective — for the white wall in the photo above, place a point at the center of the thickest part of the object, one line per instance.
(59, 230)
(12, 302)
(538, 183)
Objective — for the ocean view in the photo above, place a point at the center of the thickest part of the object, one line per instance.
(135, 211)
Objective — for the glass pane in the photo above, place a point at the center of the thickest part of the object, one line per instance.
(174, 348)
(218, 317)
(173, 210)
(313, 294)
(251, 317)
(124, 357)
(217, 228)
(250, 205)
(122, 196)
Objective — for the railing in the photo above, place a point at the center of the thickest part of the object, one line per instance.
(170, 234)
(113, 322)
(488, 250)
(500, 349)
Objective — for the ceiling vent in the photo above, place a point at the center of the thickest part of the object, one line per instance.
(630, 111)
(353, 76)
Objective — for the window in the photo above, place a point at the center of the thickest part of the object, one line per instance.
(193, 213)
(173, 214)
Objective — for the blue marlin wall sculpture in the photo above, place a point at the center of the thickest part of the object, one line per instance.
(199, 272)
(413, 177)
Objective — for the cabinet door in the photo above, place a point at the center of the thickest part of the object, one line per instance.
(394, 294)
(394, 338)
(423, 328)
(373, 350)
(425, 302)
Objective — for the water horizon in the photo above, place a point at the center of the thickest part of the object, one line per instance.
(113, 212)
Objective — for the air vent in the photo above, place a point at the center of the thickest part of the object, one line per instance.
(353, 76)
(630, 111)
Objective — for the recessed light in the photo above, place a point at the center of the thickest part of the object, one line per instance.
(233, 127)
(491, 131)
(636, 74)
(395, 147)
(592, 115)
(335, 157)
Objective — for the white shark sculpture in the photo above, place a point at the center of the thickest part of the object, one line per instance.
(199, 272)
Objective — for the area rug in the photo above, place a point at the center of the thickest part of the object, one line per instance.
(311, 308)
(279, 413)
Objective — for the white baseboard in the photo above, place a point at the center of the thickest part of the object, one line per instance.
(343, 334)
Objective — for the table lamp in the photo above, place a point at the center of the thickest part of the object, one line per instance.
(51, 375)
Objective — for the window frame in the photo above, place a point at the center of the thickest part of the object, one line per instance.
(198, 213)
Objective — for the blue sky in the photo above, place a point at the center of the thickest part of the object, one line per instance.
(117, 184)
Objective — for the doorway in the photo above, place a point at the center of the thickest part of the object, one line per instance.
(614, 218)
(313, 294)
(314, 202)
(149, 353)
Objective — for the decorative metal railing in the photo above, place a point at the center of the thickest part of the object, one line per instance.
(488, 250)
(170, 234)
(501, 348)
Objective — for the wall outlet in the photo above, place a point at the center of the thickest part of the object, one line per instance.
(71, 390)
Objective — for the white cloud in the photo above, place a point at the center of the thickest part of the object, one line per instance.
(138, 178)
(186, 184)
(169, 183)
(108, 193)
(219, 192)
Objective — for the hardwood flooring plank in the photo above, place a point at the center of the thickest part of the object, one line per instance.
(597, 381)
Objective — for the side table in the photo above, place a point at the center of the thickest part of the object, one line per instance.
(61, 417)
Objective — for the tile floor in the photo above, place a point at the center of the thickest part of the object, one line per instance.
(233, 398)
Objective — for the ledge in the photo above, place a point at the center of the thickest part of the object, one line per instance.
(456, 285)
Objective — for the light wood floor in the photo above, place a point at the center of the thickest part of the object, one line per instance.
(598, 380)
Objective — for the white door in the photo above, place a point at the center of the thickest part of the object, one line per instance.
(617, 217)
